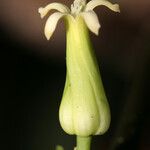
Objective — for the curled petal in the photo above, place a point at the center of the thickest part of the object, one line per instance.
(51, 24)
(57, 6)
(91, 21)
(94, 3)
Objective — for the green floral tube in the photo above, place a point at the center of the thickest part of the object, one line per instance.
(84, 109)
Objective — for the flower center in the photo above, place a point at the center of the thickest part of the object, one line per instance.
(77, 6)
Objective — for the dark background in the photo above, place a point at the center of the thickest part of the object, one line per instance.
(33, 75)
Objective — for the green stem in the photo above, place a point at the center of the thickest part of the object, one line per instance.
(83, 143)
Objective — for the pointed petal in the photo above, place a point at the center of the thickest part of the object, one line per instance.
(91, 21)
(94, 3)
(51, 24)
(57, 6)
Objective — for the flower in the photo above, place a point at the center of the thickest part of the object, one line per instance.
(78, 8)
(84, 109)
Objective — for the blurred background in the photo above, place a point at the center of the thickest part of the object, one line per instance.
(33, 76)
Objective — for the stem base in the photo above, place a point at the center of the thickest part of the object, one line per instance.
(83, 143)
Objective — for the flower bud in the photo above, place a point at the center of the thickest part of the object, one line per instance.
(84, 109)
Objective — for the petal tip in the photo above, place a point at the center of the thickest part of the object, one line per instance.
(117, 8)
(41, 12)
(97, 30)
(48, 38)
(48, 35)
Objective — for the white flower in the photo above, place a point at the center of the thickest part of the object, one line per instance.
(78, 8)
(84, 109)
